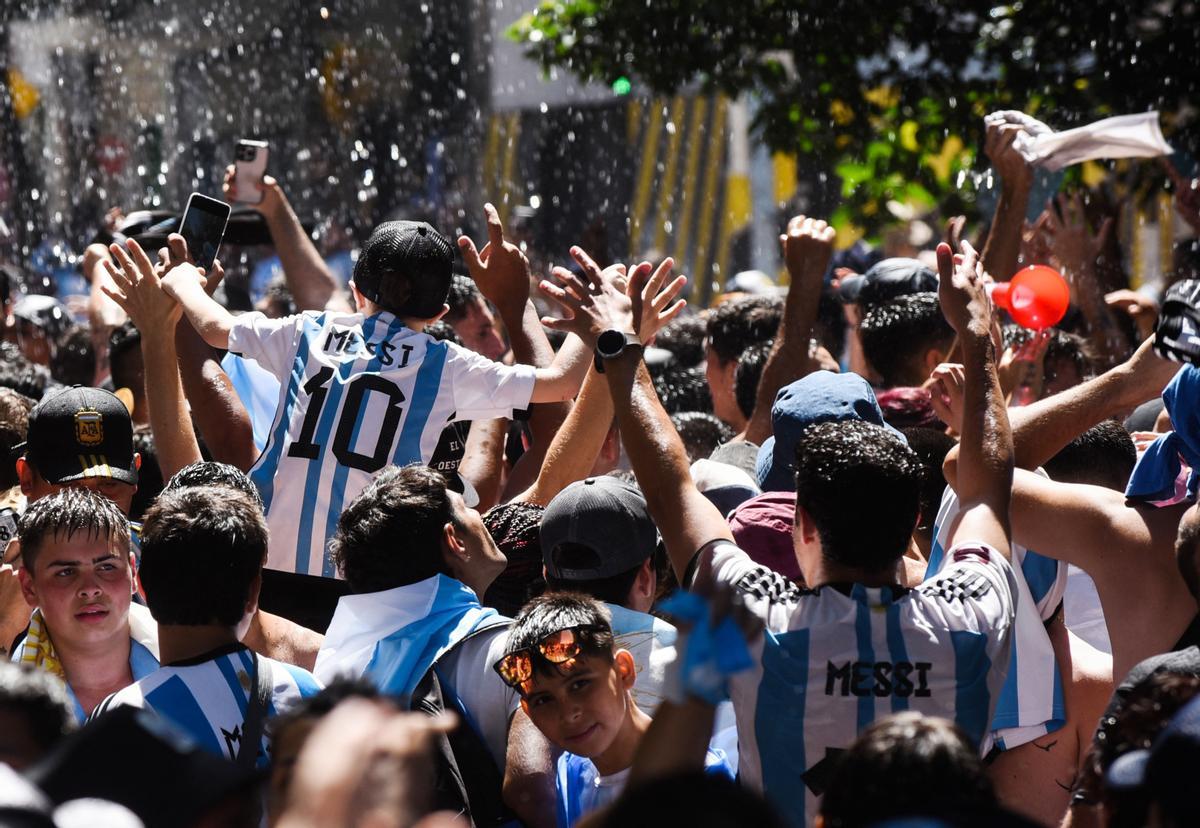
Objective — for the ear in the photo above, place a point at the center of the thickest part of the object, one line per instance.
(27, 588)
(524, 705)
(933, 358)
(805, 530)
(25, 475)
(454, 551)
(626, 668)
(646, 581)
(137, 460)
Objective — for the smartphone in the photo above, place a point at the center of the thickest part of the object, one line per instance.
(250, 163)
(203, 227)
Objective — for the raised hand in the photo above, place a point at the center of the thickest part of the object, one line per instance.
(653, 298)
(272, 195)
(594, 302)
(500, 270)
(807, 246)
(1010, 164)
(945, 387)
(1071, 243)
(1137, 306)
(138, 290)
(962, 291)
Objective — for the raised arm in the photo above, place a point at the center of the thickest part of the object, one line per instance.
(573, 452)
(807, 247)
(685, 518)
(1003, 248)
(986, 448)
(308, 278)
(185, 284)
(137, 290)
(1042, 429)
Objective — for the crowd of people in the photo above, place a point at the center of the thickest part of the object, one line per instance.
(460, 543)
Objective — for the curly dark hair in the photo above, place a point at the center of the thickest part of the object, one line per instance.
(842, 465)
(683, 389)
(684, 337)
(701, 433)
(747, 375)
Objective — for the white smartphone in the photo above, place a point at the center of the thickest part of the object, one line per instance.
(250, 160)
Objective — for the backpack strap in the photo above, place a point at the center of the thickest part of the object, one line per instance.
(256, 714)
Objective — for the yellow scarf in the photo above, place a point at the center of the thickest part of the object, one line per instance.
(38, 650)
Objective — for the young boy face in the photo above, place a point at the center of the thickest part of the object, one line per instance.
(83, 585)
(583, 710)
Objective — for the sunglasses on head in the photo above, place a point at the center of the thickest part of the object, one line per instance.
(559, 648)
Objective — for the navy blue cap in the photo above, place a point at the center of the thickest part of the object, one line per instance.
(820, 397)
(1167, 770)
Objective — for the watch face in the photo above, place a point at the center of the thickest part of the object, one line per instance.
(610, 343)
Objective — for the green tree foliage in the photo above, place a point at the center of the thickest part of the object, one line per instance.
(890, 96)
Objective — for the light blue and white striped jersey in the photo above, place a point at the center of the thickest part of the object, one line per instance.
(207, 697)
(834, 659)
(1032, 702)
(356, 394)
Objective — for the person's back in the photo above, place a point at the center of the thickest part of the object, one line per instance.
(202, 556)
(363, 391)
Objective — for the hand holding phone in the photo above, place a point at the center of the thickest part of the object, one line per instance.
(203, 227)
(250, 165)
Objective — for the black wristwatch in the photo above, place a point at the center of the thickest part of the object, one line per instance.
(611, 344)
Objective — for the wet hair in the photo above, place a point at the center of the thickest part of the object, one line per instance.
(67, 513)
(683, 389)
(74, 359)
(412, 503)
(38, 699)
(150, 481)
(739, 324)
(14, 428)
(514, 528)
(931, 447)
(693, 798)
(830, 329)
(747, 376)
(684, 338)
(897, 334)
(611, 590)
(443, 331)
(212, 473)
(16, 372)
(557, 611)
(907, 765)
(1146, 709)
(122, 342)
(1104, 455)
(463, 294)
(1063, 347)
(844, 467)
(202, 547)
(701, 433)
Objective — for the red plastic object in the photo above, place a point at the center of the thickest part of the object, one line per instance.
(1037, 297)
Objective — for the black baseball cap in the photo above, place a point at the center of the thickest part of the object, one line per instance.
(887, 280)
(413, 252)
(605, 516)
(81, 432)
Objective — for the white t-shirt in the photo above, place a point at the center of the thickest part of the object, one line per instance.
(356, 394)
(834, 659)
(207, 698)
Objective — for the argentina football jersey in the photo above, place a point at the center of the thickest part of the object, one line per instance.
(208, 697)
(356, 394)
(834, 659)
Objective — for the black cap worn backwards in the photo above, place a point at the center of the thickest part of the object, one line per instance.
(886, 280)
(413, 253)
(81, 432)
(604, 515)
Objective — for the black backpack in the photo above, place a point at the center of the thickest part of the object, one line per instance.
(466, 779)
